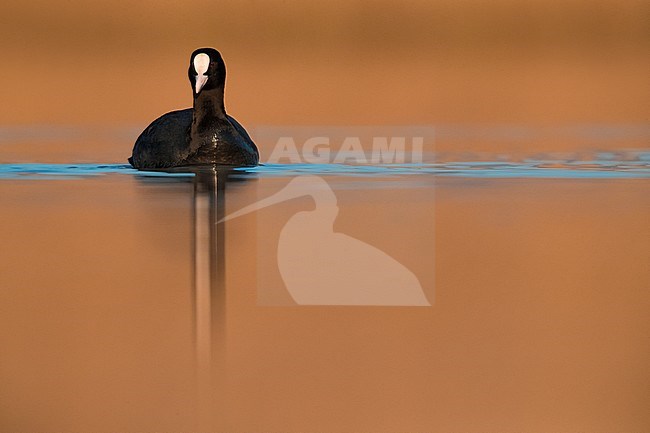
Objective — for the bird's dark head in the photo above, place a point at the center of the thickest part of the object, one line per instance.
(207, 70)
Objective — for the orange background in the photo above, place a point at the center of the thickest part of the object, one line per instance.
(334, 62)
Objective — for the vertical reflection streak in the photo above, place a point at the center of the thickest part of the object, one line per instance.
(209, 295)
(202, 282)
(217, 266)
(201, 300)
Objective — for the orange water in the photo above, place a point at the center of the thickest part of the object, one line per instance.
(538, 316)
(539, 286)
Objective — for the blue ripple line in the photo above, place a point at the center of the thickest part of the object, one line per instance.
(480, 169)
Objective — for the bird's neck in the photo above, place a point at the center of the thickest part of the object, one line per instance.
(208, 106)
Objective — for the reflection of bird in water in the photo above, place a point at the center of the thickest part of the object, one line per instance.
(321, 267)
(208, 289)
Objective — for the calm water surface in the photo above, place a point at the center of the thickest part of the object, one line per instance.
(125, 307)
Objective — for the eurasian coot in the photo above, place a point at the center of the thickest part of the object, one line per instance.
(201, 135)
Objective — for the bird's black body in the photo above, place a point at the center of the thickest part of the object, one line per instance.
(201, 135)
(166, 143)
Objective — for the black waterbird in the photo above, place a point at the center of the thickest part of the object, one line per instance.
(204, 134)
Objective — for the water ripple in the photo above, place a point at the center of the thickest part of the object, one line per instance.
(600, 169)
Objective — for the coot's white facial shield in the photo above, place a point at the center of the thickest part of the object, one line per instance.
(201, 64)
